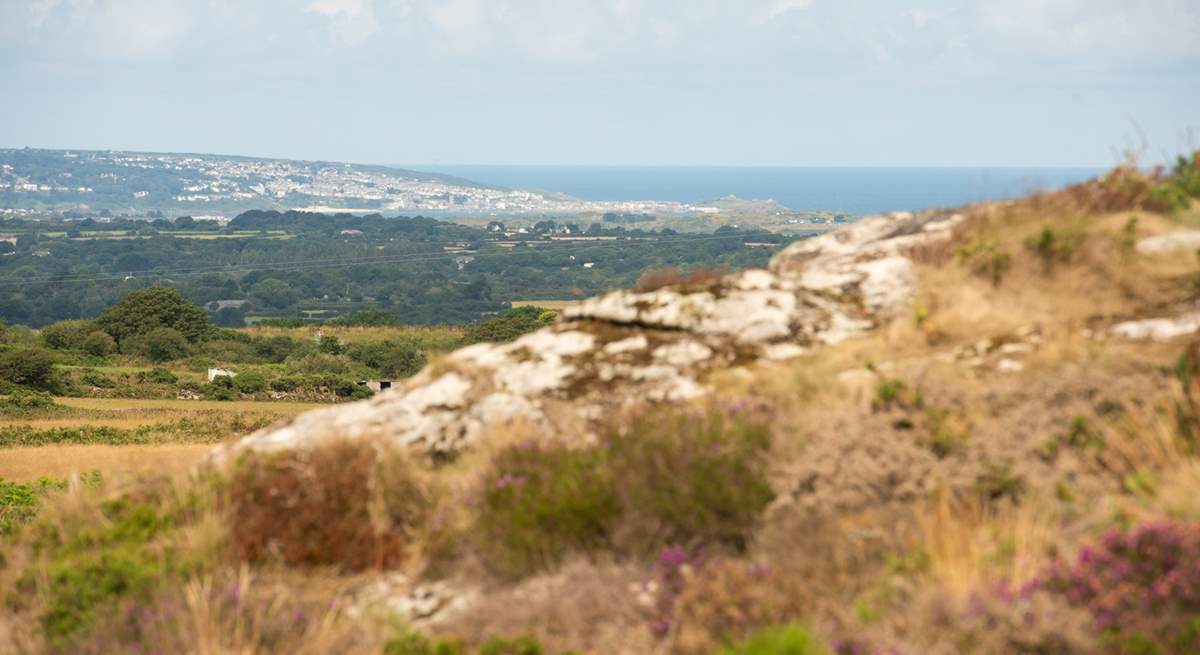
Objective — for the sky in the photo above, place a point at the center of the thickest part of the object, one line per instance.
(608, 82)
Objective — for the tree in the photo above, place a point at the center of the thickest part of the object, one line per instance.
(149, 309)
(29, 367)
(230, 317)
(158, 345)
(274, 293)
(100, 344)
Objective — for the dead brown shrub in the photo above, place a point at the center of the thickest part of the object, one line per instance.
(331, 505)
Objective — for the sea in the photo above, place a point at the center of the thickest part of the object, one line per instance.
(858, 191)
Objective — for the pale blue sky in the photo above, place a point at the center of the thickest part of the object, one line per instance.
(672, 82)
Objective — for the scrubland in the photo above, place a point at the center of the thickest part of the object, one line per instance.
(993, 473)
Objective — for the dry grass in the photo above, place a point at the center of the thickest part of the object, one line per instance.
(971, 545)
(64, 461)
(115, 404)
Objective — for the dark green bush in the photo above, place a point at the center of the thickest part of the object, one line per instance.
(67, 335)
(94, 378)
(390, 358)
(538, 503)
(99, 344)
(19, 501)
(250, 382)
(94, 569)
(28, 399)
(664, 477)
(28, 367)
(691, 478)
(157, 376)
(286, 384)
(162, 344)
(509, 324)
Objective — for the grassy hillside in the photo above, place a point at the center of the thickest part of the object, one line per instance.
(996, 471)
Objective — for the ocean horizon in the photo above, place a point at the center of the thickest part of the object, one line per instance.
(851, 190)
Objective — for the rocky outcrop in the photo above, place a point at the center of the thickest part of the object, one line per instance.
(1171, 241)
(626, 346)
(1158, 329)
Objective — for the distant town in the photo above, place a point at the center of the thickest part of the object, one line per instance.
(35, 181)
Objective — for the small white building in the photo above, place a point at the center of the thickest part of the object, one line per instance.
(214, 373)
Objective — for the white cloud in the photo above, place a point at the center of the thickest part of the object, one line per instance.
(461, 23)
(350, 8)
(350, 21)
(778, 8)
(1141, 31)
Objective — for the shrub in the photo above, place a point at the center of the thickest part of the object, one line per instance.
(275, 349)
(414, 643)
(509, 324)
(250, 382)
(994, 620)
(286, 384)
(67, 335)
(691, 477)
(315, 507)
(538, 503)
(663, 477)
(94, 378)
(727, 601)
(1174, 192)
(99, 344)
(999, 481)
(318, 363)
(227, 350)
(392, 359)
(1053, 246)
(19, 501)
(1142, 587)
(986, 259)
(29, 367)
(157, 376)
(94, 569)
(28, 399)
(782, 640)
(157, 345)
(518, 646)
